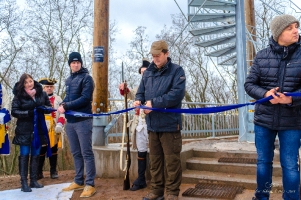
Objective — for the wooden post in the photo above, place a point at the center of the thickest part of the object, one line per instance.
(250, 24)
(100, 56)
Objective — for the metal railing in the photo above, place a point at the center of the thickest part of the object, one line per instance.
(193, 125)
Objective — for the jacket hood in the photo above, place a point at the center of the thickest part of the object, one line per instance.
(36, 86)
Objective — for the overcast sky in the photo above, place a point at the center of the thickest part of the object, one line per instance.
(153, 14)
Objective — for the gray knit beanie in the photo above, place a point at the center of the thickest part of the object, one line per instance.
(279, 23)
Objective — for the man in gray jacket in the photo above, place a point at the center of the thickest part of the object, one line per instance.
(163, 86)
(275, 71)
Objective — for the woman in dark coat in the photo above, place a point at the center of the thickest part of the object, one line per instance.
(28, 95)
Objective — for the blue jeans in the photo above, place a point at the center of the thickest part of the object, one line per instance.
(289, 154)
(80, 140)
(24, 150)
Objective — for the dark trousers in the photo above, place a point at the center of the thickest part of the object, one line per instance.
(165, 162)
(52, 159)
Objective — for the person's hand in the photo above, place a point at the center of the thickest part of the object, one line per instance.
(136, 103)
(275, 95)
(148, 104)
(58, 128)
(283, 99)
(61, 109)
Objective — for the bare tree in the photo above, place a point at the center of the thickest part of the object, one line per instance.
(54, 29)
(11, 42)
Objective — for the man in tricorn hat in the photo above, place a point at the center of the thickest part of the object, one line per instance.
(55, 122)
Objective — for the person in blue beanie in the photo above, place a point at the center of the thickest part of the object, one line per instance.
(79, 91)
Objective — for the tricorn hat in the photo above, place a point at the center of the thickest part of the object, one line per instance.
(47, 81)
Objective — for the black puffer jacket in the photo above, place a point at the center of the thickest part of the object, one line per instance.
(79, 91)
(165, 88)
(276, 66)
(22, 107)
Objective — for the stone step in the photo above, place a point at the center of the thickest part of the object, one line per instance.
(212, 164)
(230, 154)
(246, 181)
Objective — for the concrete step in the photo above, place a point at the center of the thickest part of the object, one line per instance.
(246, 181)
(204, 153)
(212, 164)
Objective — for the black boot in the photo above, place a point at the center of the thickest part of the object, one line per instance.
(34, 163)
(140, 182)
(23, 170)
(53, 162)
(40, 167)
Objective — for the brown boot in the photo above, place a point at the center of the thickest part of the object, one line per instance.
(152, 196)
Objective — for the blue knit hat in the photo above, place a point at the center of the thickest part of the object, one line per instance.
(75, 56)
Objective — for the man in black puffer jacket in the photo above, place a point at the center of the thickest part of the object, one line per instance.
(276, 70)
(79, 91)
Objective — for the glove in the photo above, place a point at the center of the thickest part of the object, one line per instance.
(58, 128)
(2, 118)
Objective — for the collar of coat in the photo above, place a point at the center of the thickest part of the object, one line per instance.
(154, 68)
(282, 49)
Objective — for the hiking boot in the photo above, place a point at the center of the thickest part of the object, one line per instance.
(54, 175)
(254, 198)
(73, 186)
(152, 196)
(88, 191)
(172, 197)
